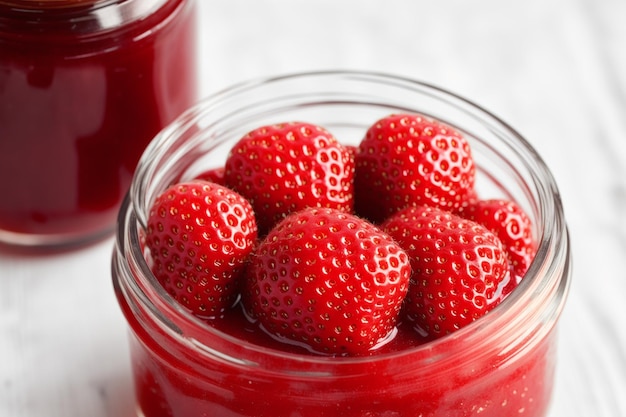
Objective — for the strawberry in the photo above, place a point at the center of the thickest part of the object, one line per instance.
(200, 235)
(352, 149)
(215, 175)
(409, 159)
(511, 224)
(286, 167)
(459, 268)
(329, 281)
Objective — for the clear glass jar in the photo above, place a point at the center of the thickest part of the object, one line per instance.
(84, 86)
(499, 366)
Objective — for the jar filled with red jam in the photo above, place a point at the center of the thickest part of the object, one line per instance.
(84, 86)
(501, 365)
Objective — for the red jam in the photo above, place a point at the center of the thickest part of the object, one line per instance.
(84, 86)
(186, 383)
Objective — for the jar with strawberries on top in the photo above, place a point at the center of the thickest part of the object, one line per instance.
(341, 244)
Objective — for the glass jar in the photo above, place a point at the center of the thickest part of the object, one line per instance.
(501, 365)
(84, 86)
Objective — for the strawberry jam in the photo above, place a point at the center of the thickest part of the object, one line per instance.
(84, 86)
(400, 381)
(500, 365)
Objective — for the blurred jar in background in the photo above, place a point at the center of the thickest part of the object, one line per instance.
(84, 86)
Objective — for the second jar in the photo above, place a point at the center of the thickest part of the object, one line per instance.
(84, 86)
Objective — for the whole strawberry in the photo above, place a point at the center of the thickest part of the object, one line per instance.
(286, 167)
(511, 224)
(329, 281)
(215, 175)
(407, 160)
(200, 235)
(459, 269)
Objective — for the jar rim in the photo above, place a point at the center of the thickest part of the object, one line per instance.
(548, 275)
(54, 4)
(28, 18)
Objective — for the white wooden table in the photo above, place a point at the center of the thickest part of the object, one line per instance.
(555, 70)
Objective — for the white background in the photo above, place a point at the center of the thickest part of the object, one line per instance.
(553, 69)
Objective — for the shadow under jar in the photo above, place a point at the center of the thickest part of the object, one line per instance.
(502, 365)
(84, 86)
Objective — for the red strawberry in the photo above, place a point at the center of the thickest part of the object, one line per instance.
(286, 167)
(327, 280)
(409, 159)
(352, 149)
(459, 268)
(511, 224)
(200, 235)
(215, 175)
